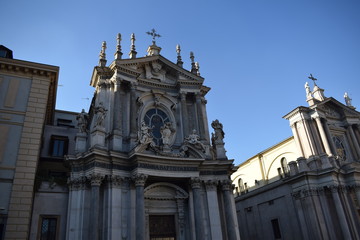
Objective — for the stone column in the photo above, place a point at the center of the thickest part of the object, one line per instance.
(198, 209)
(323, 136)
(309, 137)
(297, 139)
(199, 116)
(213, 208)
(354, 140)
(133, 111)
(140, 206)
(340, 213)
(184, 114)
(96, 180)
(231, 226)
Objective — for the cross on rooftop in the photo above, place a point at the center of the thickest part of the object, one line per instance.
(153, 34)
(312, 78)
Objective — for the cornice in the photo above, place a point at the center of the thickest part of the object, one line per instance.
(31, 68)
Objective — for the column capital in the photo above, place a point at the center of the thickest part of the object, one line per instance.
(226, 185)
(96, 179)
(139, 179)
(195, 183)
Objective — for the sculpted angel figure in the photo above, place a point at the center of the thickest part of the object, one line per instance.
(82, 119)
(144, 135)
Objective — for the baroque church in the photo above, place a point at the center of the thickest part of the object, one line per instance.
(140, 164)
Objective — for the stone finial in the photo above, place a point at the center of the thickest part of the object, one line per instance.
(193, 68)
(348, 100)
(132, 53)
(118, 54)
(179, 60)
(197, 67)
(102, 55)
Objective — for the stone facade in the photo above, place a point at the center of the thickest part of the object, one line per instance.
(27, 101)
(315, 192)
(145, 154)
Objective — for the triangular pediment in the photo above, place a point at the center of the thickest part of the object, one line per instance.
(155, 69)
(335, 109)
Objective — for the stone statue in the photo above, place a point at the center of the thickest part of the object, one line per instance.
(308, 92)
(100, 112)
(219, 133)
(166, 132)
(347, 100)
(82, 119)
(194, 139)
(144, 134)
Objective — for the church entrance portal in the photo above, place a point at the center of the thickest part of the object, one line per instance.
(162, 227)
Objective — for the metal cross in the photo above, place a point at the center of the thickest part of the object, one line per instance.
(153, 34)
(312, 78)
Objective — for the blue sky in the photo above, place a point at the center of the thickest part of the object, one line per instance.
(255, 55)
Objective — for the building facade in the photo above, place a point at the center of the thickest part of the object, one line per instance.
(27, 102)
(308, 186)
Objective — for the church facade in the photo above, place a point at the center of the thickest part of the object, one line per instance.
(140, 164)
(307, 186)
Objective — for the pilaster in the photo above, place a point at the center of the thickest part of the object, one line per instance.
(140, 180)
(213, 209)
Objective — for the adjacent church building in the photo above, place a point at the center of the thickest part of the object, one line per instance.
(307, 186)
(139, 164)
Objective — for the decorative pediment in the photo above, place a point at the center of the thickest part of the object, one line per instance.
(334, 109)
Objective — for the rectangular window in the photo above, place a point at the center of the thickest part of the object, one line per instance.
(276, 228)
(59, 146)
(48, 228)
